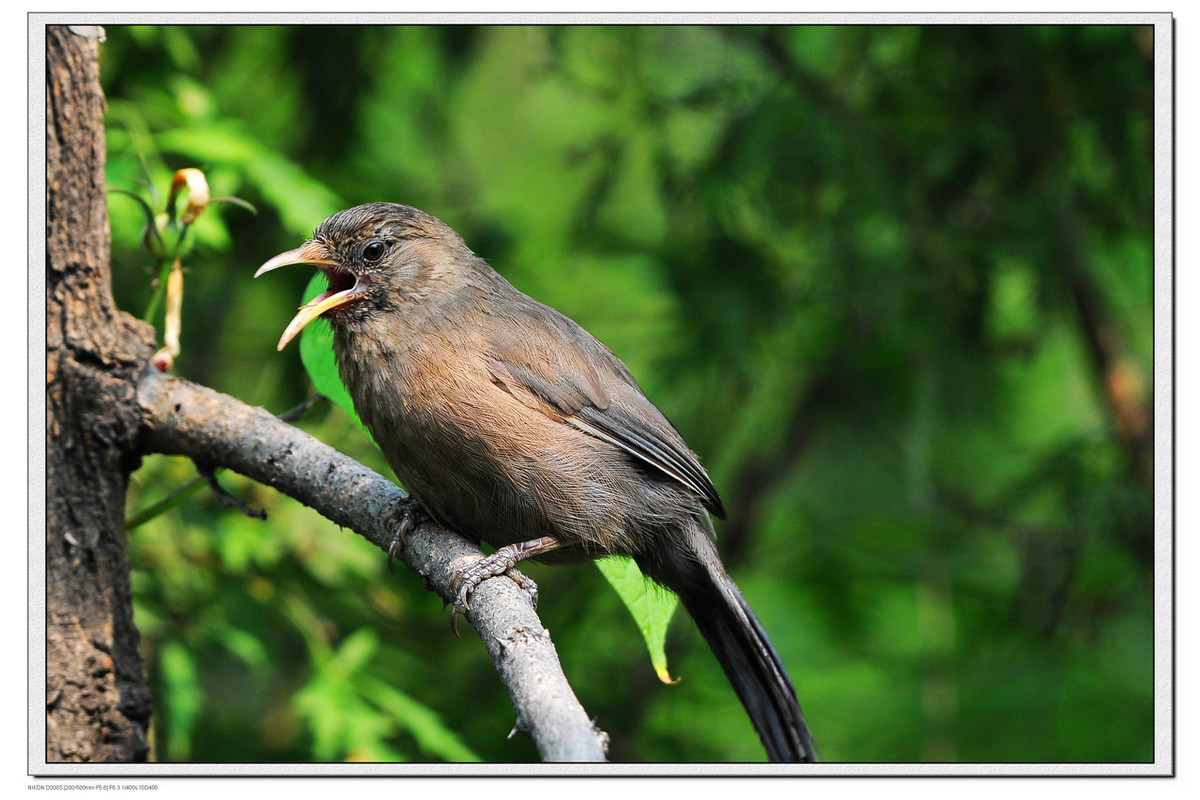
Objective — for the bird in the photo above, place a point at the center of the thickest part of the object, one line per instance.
(512, 425)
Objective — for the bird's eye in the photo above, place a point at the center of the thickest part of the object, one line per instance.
(374, 251)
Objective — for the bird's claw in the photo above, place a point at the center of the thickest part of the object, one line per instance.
(525, 583)
(405, 519)
(395, 547)
(466, 580)
(461, 586)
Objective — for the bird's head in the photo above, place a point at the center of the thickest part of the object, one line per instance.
(375, 256)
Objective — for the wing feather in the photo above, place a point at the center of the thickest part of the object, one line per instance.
(581, 383)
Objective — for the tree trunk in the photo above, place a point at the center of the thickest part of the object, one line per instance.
(97, 700)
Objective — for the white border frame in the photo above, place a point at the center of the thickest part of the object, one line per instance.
(1164, 397)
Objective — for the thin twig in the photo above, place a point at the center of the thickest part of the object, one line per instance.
(164, 505)
(208, 473)
(294, 414)
(182, 493)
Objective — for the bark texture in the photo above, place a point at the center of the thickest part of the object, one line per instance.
(97, 702)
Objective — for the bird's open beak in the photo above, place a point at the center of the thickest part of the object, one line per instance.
(344, 287)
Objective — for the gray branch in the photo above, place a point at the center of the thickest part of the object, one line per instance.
(183, 418)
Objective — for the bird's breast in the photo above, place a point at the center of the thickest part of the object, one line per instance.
(478, 459)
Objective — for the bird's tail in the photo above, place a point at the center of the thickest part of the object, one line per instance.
(740, 645)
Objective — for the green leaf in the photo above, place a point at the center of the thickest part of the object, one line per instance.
(183, 696)
(295, 196)
(355, 716)
(316, 353)
(246, 646)
(430, 733)
(650, 605)
(355, 651)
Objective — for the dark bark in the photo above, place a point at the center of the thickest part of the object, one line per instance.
(97, 702)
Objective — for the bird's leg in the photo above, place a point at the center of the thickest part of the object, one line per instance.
(405, 517)
(502, 562)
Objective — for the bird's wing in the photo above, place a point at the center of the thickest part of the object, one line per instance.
(578, 381)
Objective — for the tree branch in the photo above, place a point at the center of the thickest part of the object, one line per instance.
(182, 418)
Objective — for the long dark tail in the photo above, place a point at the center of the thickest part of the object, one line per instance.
(739, 643)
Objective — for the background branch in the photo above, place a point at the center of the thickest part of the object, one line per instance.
(182, 418)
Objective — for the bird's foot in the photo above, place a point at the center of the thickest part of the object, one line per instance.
(525, 583)
(407, 516)
(502, 562)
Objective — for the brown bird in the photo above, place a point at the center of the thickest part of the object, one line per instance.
(511, 424)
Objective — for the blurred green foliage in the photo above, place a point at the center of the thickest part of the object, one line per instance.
(893, 283)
